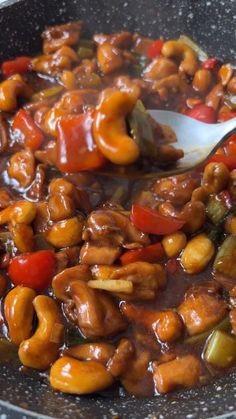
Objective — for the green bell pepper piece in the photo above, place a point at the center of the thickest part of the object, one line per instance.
(220, 350)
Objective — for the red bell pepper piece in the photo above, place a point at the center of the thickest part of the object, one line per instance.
(152, 254)
(33, 270)
(76, 150)
(230, 148)
(225, 116)
(19, 65)
(155, 48)
(150, 221)
(202, 113)
(30, 135)
(210, 63)
(229, 161)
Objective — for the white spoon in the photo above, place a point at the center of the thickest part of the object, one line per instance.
(198, 140)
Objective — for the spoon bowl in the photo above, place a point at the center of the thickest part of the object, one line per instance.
(198, 140)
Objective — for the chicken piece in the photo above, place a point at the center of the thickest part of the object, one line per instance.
(118, 364)
(160, 68)
(146, 278)
(166, 154)
(142, 44)
(75, 100)
(87, 183)
(137, 378)
(166, 324)
(4, 134)
(86, 77)
(182, 372)
(62, 281)
(176, 189)
(112, 227)
(126, 84)
(72, 102)
(201, 309)
(67, 258)
(55, 37)
(232, 316)
(95, 312)
(65, 186)
(109, 58)
(95, 254)
(6, 198)
(146, 340)
(42, 219)
(62, 59)
(22, 167)
(118, 39)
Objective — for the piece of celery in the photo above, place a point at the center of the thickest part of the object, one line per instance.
(220, 350)
(47, 93)
(86, 43)
(216, 209)
(85, 52)
(225, 258)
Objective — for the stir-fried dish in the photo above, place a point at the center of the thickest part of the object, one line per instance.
(108, 279)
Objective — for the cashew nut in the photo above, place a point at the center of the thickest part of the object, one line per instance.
(118, 364)
(65, 233)
(109, 127)
(215, 177)
(19, 311)
(225, 73)
(9, 91)
(60, 207)
(215, 96)
(20, 212)
(100, 352)
(62, 281)
(61, 186)
(70, 375)
(187, 56)
(41, 350)
(22, 235)
(21, 167)
(202, 80)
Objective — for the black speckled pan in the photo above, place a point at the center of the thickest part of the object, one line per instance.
(211, 23)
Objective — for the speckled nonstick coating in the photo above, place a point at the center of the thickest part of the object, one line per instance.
(212, 23)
